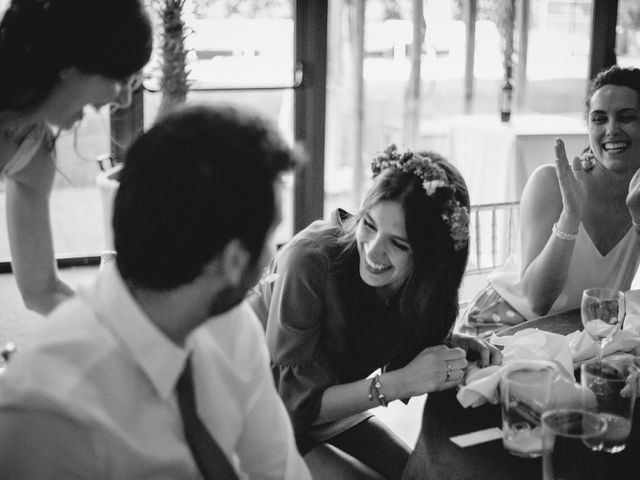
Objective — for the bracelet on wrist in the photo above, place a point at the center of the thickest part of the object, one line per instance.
(563, 235)
(374, 392)
(635, 225)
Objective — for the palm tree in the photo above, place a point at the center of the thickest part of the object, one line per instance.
(174, 81)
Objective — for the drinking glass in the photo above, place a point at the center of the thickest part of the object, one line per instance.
(525, 393)
(602, 311)
(612, 383)
(567, 436)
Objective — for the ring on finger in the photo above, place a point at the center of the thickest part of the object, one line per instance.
(448, 371)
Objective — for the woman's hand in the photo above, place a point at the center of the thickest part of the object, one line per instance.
(434, 369)
(486, 353)
(587, 160)
(633, 198)
(572, 182)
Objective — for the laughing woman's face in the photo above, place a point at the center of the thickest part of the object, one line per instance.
(614, 127)
(386, 258)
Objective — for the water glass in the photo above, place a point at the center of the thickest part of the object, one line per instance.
(567, 436)
(602, 312)
(613, 384)
(525, 393)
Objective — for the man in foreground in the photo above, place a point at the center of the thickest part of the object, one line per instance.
(133, 378)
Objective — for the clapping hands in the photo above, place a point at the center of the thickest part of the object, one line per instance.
(633, 198)
(571, 178)
(573, 187)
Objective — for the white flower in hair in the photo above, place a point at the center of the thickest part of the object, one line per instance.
(431, 185)
(432, 176)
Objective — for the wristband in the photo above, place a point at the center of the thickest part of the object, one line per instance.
(563, 235)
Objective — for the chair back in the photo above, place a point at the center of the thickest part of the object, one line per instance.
(494, 230)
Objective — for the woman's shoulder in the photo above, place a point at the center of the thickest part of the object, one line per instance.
(313, 243)
(27, 142)
(320, 235)
(542, 185)
(318, 244)
(544, 173)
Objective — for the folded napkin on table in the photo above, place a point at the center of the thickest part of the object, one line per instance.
(531, 348)
(632, 317)
(565, 353)
(627, 340)
(583, 347)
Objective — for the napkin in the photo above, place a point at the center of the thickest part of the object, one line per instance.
(583, 347)
(529, 347)
(632, 317)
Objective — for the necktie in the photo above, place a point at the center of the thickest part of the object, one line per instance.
(211, 460)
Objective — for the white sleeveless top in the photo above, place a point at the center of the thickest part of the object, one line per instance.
(26, 150)
(588, 268)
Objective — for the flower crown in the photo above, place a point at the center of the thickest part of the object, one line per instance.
(433, 177)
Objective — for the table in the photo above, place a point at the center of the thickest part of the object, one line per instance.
(436, 457)
(562, 323)
(497, 158)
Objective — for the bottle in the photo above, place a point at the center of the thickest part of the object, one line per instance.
(506, 97)
(106, 257)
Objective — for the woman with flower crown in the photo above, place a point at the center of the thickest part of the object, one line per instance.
(56, 57)
(580, 221)
(378, 290)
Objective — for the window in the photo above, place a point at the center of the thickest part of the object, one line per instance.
(628, 33)
(239, 51)
(376, 65)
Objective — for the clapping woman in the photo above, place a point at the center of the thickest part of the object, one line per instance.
(56, 57)
(580, 220)
(378, 290)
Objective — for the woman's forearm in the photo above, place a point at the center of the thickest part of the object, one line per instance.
(340, 401)
(45, 299)
(30, 235)
(544, 278)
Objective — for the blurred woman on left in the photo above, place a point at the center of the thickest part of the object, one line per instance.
(56, 57)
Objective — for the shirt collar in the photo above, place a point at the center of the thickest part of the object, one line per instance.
(158, 357)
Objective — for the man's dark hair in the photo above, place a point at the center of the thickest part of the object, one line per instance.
(201, 177)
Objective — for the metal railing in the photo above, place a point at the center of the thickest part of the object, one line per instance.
(494, 229)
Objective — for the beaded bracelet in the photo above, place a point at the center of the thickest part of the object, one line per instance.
(374, 391)
(563, 235)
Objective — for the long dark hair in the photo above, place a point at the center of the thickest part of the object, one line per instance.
(40, 38)
(429, 298)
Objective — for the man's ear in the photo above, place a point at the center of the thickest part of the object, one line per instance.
(234, 261)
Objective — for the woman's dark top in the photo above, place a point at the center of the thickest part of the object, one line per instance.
(324, 325)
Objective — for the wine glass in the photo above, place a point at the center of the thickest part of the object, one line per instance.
(602, 311)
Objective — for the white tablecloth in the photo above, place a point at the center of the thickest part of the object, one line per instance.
(496, 158)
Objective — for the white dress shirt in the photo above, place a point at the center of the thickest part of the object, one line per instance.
(91, 395)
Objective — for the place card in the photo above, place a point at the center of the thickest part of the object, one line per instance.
(474, 438)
